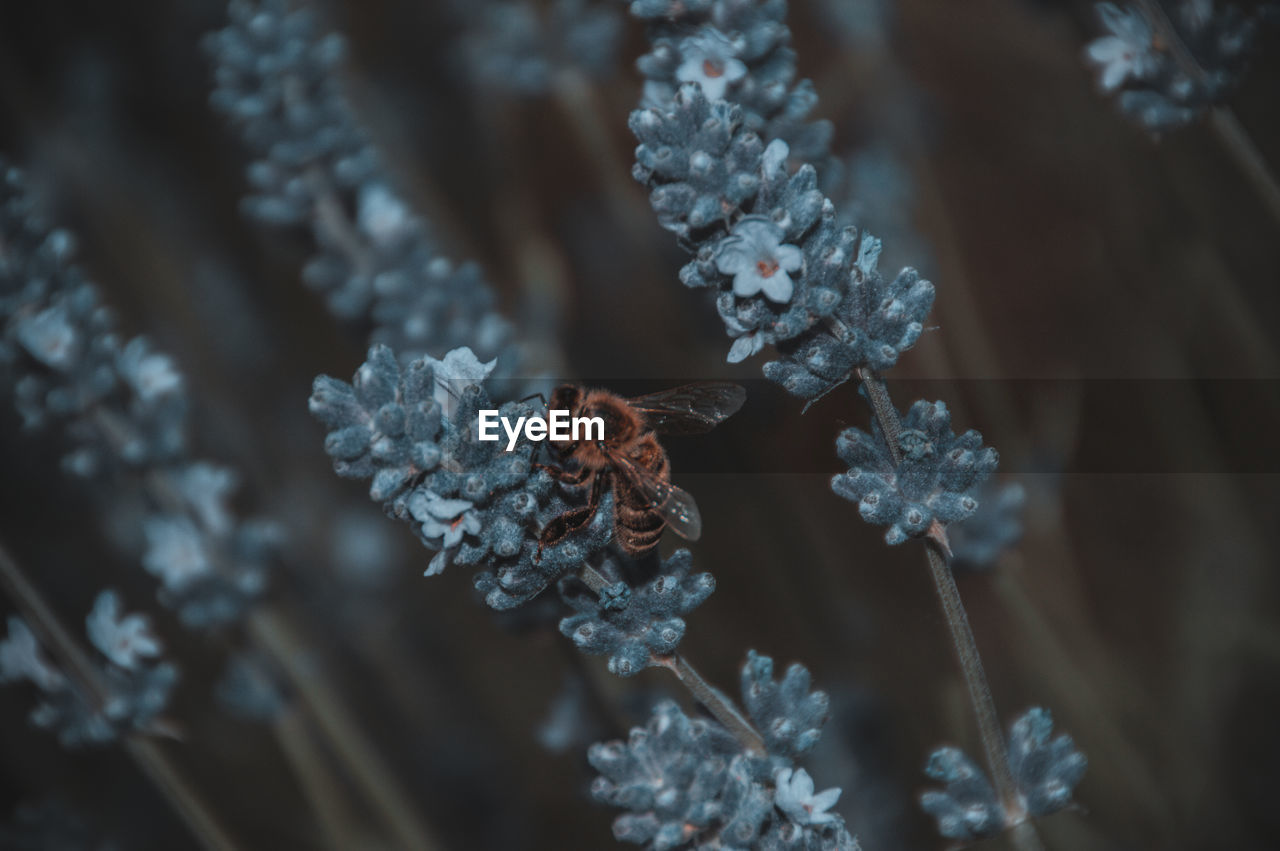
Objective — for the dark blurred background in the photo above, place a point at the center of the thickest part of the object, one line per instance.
(1105, 316)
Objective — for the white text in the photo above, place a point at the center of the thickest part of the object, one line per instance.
(557, 425)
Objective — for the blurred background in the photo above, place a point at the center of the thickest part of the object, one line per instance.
(1105, 317)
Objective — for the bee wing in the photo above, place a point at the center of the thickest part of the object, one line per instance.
(674, 504)
(691, 408)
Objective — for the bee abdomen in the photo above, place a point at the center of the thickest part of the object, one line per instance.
(637, 531)
(639, 519)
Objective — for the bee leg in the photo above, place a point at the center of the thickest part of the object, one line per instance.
(562, 526)
(571, 521)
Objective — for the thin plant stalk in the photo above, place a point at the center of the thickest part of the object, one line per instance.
(715, 702)
(966, 647)
(280, 640)
(720, 707)
(1044, 645)
(185, 799)
(1240, 145)
(883, 410)
(977, 357)
(273, 632)
(182, 796)
(321, 788)
(975, 679)
(579, 101)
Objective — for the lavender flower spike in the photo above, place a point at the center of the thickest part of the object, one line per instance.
(933, 482)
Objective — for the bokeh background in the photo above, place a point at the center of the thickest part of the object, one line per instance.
(1106, 316)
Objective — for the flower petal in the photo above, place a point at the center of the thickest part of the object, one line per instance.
(446, 509)
(744, 347)
(437, 564)
(789, 257)
(778, 287)
(747, 282)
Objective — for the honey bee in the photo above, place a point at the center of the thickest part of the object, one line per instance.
(631, 461)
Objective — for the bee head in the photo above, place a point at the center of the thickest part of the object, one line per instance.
(566, 397)
(619, 423)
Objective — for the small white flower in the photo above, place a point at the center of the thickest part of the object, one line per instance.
(207, 488)
(175, 550)
(381, 215)
(754, 254)
(458, 370)
(150, 375)
(50, 338)
(20, 658)
(795, 798)
(122, 639)
(445, 519)
(710, 59)
(1127, 52)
